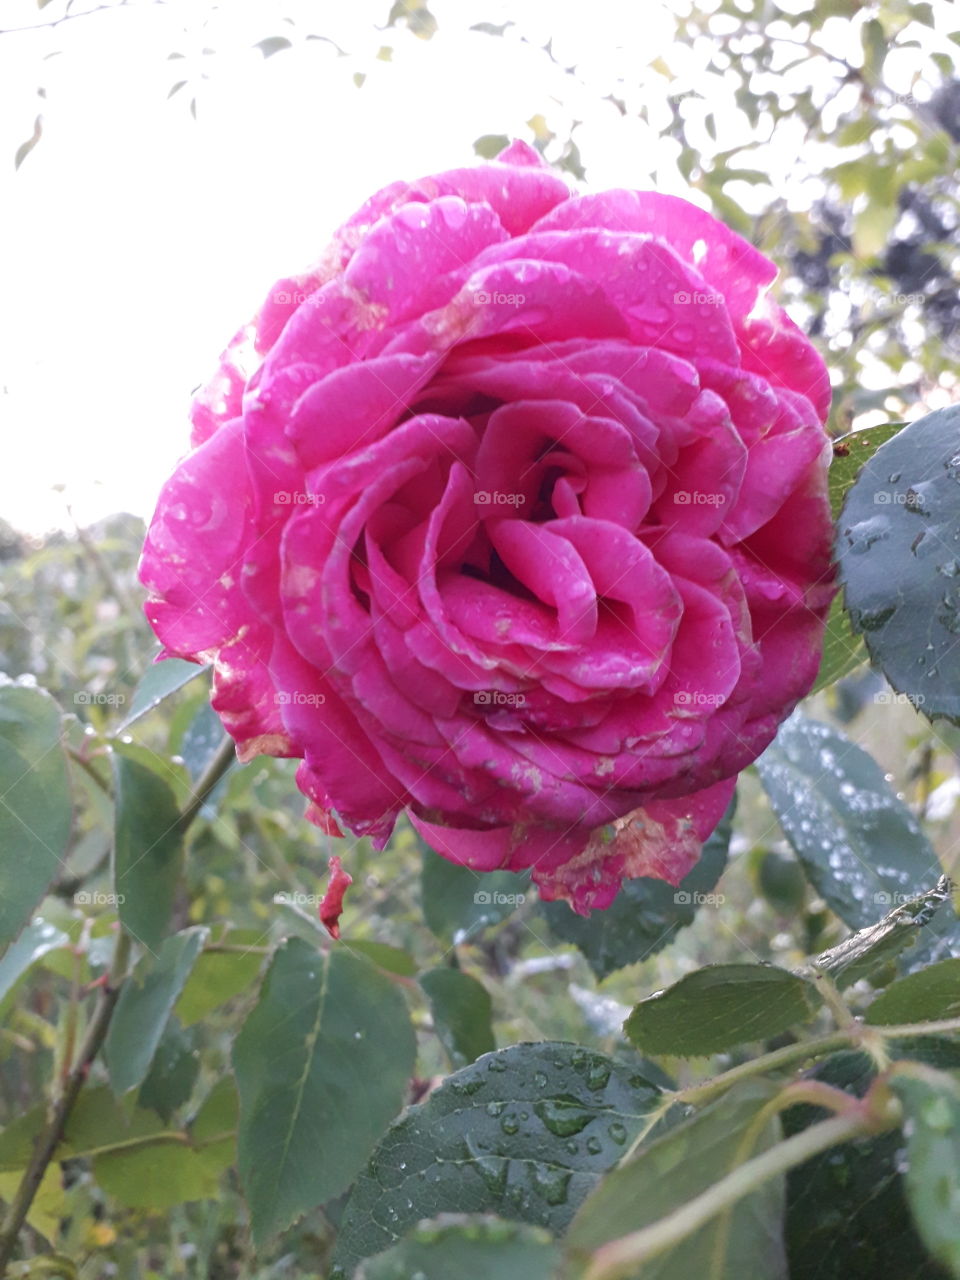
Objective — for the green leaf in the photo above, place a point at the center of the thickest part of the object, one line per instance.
(843, 650)
(322, 1065)
(931, 1102)
(871, 948)
(899, 562)
(36, 806)
(173, 1072)
(462, 1014)
(391, 959)
(490, 145)
(859, 845)
(851, 453)
(459, 903)
(847, 1217)
(220, 976)
(148, 850)
(646, 914)
(480, 1247)
(145, 1005)
(36, 940)
(712, 1009)
(925, 996)
(161, 678)
(157, 1175)
(681, 1164)
(524, 1133)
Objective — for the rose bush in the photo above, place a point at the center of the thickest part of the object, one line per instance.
(510, 513)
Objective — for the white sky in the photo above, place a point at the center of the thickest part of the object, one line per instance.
(135, 240)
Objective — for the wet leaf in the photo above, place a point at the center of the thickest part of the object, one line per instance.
(524, 1133)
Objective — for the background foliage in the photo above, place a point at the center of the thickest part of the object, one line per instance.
(230, 1079)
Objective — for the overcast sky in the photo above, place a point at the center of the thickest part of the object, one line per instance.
(136, 239)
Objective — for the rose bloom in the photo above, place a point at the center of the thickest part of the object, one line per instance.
(509, 514)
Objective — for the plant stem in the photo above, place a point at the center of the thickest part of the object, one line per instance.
(225, 756)
(620, 1258)
(789, 1056)
(50, 1139)
(47, 1142)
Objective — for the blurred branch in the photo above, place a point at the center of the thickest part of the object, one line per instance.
(71, 17)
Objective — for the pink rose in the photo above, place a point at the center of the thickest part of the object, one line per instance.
(510, 513)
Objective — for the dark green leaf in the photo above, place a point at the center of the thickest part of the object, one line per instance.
(712, 1009)
(481, 1248)
(928, 995)
(173, 1072)
(524, 1133)
(462, 1013)
(35, 802)
(859, 845)
(899, 550)
(847, 1217)
(459, 903)
(683, 1163)
(931, 1103)
(148, 850)
(161, 678)
(646, 913)
(322, 1066)
(144, 1006)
